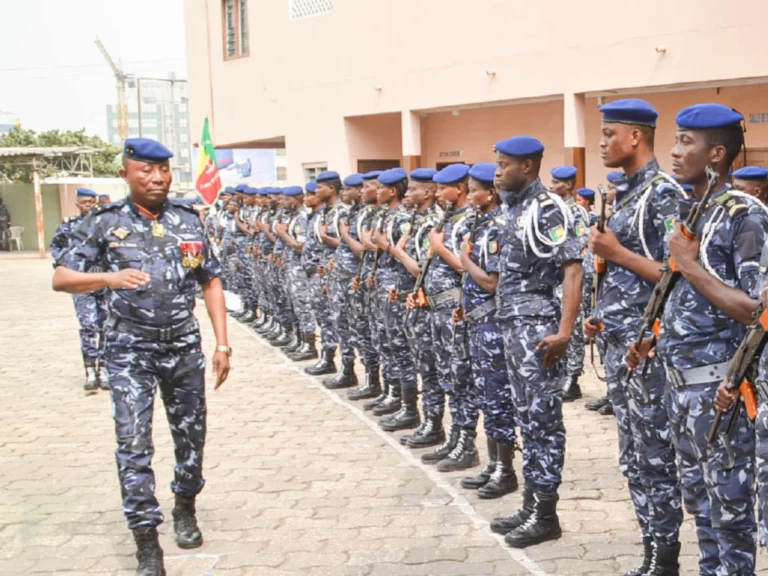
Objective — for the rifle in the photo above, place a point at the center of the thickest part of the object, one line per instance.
(670, 274)
(393, 293)
(600, 269)
(360, 263)
(379, 229)
(458, 313)
(418, 289)
(741, 373)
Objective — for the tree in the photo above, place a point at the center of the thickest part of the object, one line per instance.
(104, 164)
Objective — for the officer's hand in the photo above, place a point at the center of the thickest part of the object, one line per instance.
(355, 283)
(403, 241)
(331, 265)
(128, 279)
(371, 282)
(725, 398)
(343, 228)
(436, 238)
(604, 244)
(381, 241)
(465, 252)
(592, 328)
(554, 347)
(410, 302)
(220, 367)
(635, 354)
(683, 250)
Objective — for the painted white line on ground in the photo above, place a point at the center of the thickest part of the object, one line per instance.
(459, 499)
(216, 558)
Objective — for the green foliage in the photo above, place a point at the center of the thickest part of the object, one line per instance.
(104, 164)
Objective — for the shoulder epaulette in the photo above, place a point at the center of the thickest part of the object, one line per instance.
(500, 219)
(732, 204)
(545, 200)
(100, 209)
(184, 205)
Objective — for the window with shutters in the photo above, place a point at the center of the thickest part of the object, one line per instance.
(235, 23)
(298, 9)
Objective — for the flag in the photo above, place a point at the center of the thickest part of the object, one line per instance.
(208, 178)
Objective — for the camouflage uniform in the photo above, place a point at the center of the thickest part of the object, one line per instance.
(231, 276)
(338, 282)
(263, 246)
(91, 308)
(298, 284)
(5, 227)
(454, 369)
(697, 335)
(646, 456)
(152, 339)
(761, 437)
(244, 278)
(311, 259)
(377, 306)
(486, 343)
(528, 310)
(284, 310)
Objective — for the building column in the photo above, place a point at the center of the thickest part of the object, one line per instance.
(574, 135)
(411, 137)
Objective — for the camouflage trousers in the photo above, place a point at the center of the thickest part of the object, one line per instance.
(321, 311)
(283, 307)
(135, 375)
(420, 339)
(721, 498)
(378, 304)
(262, 286)
(244, 278)
(490, 371)
(361, 322)
(454, 368)
(91, 311)
(537, 394)
(761, 451)
(401, 368)
(575, 354)
(298, 293)
(339, 284)
(646, 454)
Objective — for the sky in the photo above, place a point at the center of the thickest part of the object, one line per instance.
(52, 75)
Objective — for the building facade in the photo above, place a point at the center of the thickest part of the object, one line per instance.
(364, 85)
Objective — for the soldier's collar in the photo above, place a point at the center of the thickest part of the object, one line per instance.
(638, 180)
(139, 210)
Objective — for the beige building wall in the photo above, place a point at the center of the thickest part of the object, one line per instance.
(333, 87)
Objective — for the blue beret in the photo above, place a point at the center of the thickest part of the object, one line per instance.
(586, 192)
(353, 180)
(86, 192)
(146, 150)
(103, 196)
(392, 176)
(227, 190)
(252, 191)
(261, 191)
(423, 174)
(564, 172)
(707, 117)
(630, 111)
(275, 190)
(372, 175)
(483, 171)
(311, 187)
(751, 173)
(614, 176)
(293, 191)
(452, 174)
(241, 188)
(329, 175)
(520, 146)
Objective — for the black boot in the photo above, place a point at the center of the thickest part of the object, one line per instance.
(270, 331)
(606, 410)
(185, 524)
(284, 338)
(260, 321)
(370, 388)
(595, 405)
(444, 449)
(307, 350)
(325, 365)
(247, 318)
(648, 551)
(148, 552)
(391, 403)
(278, 333)
(542, 526)
(506, 524)
(91, 378)
(407, 417)
(383, 395)
(294, 344)
(344, 379)
(103, 376)
(431, 433)
(267, 327)
(572, 390)
(463, 456)
(475, 482)
(237, 314)
(503, 481)
(664, 561)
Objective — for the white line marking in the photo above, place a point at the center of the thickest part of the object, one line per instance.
(208, 571)
(458, 498)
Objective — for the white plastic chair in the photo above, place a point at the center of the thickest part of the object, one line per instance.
(16, 232)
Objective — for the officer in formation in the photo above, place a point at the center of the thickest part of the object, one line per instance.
(90, 308)
(5, 226)
(153, 253)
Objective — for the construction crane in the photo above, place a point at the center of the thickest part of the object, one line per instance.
(122, 99)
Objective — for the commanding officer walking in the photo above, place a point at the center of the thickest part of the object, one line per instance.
(540, 250)
(633, 248)
(154, 252)
(90, 308)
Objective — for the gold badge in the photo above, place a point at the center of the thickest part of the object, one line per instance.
(158, 230)
(121, 233)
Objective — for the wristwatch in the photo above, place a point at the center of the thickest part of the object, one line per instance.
(226, 349)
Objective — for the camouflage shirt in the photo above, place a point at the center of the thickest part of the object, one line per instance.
(693, 331)
(485, 253)
(441, 275)
(297, 229)
(60, 238)
(391, 272)
(345, 258)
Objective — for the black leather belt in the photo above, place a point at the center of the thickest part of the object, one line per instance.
(480, 312)
(163, 334)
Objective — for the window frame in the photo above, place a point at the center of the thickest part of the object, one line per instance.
(238, 32)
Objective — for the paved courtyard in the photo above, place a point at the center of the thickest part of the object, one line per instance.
(299, 481)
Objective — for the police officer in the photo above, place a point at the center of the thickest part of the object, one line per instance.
(585, 197)
(752, 180)
(104, 199)
(633, 247)
(90, 308)
(540, 248)
(564, 185)
(154, 252)
(702, 325)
